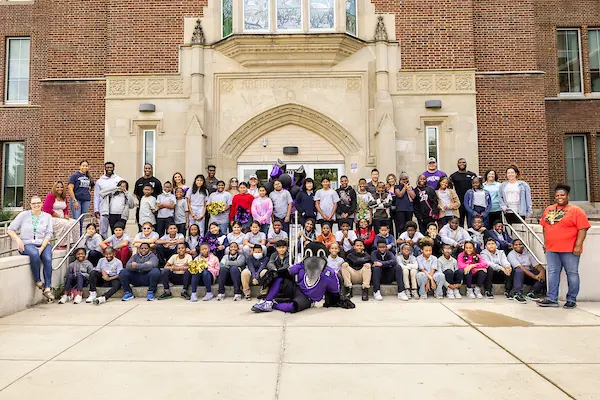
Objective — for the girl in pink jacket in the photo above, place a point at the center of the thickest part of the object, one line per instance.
(474, 266)
(262, 209)
(208, 276)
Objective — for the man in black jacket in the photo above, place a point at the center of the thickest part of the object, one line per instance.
(461, 180)
(385, 269)
(347, 204)
(357, 270)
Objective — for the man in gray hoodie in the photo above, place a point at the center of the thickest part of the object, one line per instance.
(141, 270)
(499, 266)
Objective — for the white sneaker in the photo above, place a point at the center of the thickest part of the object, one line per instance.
(78, 299)
(439, 297)
(377, 295)
(220, 296)
(470, 293)
(414, 294)
(478, 293)
(407, 293)
(457, 294)
(450, 294)
(402, 296)
(237, 297)
(194, 297)
(424, 296)
(63, 299)
(208, 296)
(99, 300)
(91, 297)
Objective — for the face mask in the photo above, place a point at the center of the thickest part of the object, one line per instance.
(258, 256)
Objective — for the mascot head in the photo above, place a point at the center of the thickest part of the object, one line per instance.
(315, 260)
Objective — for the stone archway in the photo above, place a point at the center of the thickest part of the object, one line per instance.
(288, 114)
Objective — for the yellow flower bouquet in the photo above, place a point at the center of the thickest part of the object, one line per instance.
(215, 208)
(198, 265)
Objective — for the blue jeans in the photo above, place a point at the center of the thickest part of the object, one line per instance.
(76, 213)
(147, 278)
(35, 261)
(556, 262)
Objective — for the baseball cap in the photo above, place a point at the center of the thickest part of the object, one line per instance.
(253, 176)
(431, 159)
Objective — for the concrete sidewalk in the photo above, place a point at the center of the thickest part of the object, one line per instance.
(381, 350)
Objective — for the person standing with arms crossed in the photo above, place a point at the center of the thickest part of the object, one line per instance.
(108, 180)
(565, 227)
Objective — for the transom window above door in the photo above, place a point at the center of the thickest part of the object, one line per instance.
(288, 16)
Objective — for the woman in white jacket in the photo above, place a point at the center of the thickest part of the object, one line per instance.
(116, 203)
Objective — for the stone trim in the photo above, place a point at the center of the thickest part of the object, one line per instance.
(287, 114)
(155, 86)
(436, 82)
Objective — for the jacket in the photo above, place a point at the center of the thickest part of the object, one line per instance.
(469, 203)
(496, 261)
(305, 204)
(480, 265)
(368, 235)
(425, 203)
(525, 204)
(256, 266)
(239, 261)
(213, 264)
(104, 182)
(49, 204)
(453, 238)
(143, 263)
(347, 203)
(276, 263)
(357, 260)
(502, 239)
(84, 267)
(454, 201)
(389, 240)
(107, 196)
(387, 259)
(381, 208)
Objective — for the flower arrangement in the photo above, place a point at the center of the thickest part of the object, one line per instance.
(215, 208)
(198, 265)
(242, 215)
(211, 241)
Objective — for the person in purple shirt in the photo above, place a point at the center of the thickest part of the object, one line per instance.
(306, 282)
(433, 174)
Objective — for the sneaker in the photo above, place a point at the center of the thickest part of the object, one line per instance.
(438, 296)
(520, 299)
(548, 303)
(470, 293)
(489, 294)
(377, 295)
(185, 295)
(78, 299)
(450, 294)
(532, 296)
(349, 290)
(47, 293)
(194, 297)
(167, 295)
(91, 297)
(99, 300)
(402, 296)
(208, 297)
(365, 294)
(128, 296)
(150, 296)
(457, 294)
(248, 297)
(63, 299)
(508, 295)
(263, 306)
(221, 296)
(569, 305)
(423, 296)
(237, 297)
(478, 293)
(407, 293)
(414, 294)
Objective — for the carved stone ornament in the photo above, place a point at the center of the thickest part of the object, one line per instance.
(380, 31)
(198, 36)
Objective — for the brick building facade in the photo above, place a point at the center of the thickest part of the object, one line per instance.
(79, 49)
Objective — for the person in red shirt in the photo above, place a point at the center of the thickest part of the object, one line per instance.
(565, 227)
(241, 207)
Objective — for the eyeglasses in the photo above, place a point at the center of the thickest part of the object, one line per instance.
(146, 227)
(233, 181)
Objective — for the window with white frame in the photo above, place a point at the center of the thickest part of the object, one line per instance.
(13, 174)
(148, 147)
(594, 45)
(289, 15)
(322, 14)
(256, 15)
(432, 136)
(569, 60)
(351, 13)
(17, 70)
(576, 166)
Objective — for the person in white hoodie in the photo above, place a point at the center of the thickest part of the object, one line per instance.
(108, 180)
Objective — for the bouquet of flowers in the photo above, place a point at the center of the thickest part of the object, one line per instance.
(215, 208)
(211, 241)
(198, 265)
(242, 215)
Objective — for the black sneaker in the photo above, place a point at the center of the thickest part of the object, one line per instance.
(547, 303)
(508, 295)
(519, 298)
(365, 294)
(569, 305)
(185, 295)
(489, 294)
(532, 296)
(165, 296)
(347, 292)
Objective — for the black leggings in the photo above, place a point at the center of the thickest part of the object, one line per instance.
(454, 277)
(112, 221)
(401, 218)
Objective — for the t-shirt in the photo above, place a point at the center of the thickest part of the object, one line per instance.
(180, 262)
(211, 185)
(152, 181)
(415, 239)
(362, 205)
(561, 225)
(346, 244)
(513, 196)
(282, 235)
(197, 200)
(165, 198)
(112, 267)
(479, 198)
(253, 191)
(335, 263)
(147, 204)
(493, 189)
(462, 182)
(327, 199)
(224, 197)
(231, 238)
(280, 200)
(433, 178)
(403, 203)
(114, 241)
(180, 210)
(255, 239)
(81, 186)
(141, 236)
(93, 243)
(444, 196)
(178, 236)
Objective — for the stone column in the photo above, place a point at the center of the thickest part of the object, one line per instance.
(195, 138)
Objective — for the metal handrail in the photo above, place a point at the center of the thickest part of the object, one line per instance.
(535, 235)
(75, 225)
(514, 232)
(4, 224)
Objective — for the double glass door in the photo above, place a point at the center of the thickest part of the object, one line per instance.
(315, 171)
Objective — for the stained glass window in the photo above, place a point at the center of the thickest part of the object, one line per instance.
(289, 14)
(256, 15)
(227, 17)
(321, 14)
(351, 17)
